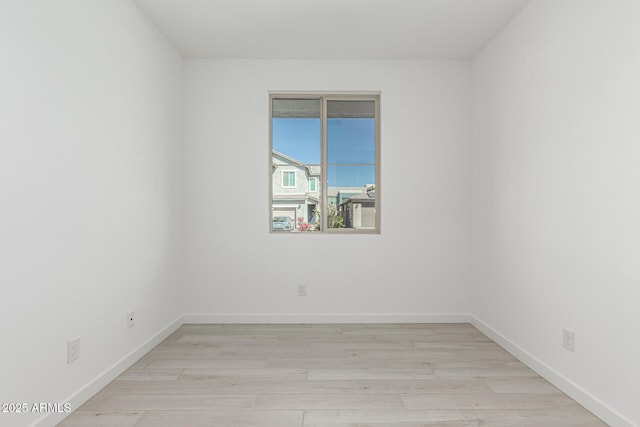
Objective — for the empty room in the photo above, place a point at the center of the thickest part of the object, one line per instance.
(319, 213)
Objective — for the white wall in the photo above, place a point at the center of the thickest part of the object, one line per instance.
(556, 194)
(418, 265)
(89, 207)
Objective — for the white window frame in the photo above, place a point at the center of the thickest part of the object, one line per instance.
(294, 179)
(313, 179)
(324, 97)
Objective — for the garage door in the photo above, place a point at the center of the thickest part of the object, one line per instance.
(290, 212)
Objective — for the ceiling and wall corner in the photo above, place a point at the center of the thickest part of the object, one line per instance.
(330, 29)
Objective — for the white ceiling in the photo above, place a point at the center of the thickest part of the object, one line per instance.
(330, 29)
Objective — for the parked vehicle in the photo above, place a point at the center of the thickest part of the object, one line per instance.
(282, 223)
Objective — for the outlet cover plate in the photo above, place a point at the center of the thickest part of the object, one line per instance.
(131, 319)
(302, 290)
(73, 350)
(569, 339)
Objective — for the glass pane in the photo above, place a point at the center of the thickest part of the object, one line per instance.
(351, 168)
(295, 145)
(286, 179)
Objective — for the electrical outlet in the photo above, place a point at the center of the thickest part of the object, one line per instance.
(569, 339)
(73, 350)
(302, 290)
(131, 319)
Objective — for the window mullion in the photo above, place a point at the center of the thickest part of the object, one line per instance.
(324, 187)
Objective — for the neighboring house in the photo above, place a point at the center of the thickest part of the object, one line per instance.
(359, 210)
(296, 194)
(338, 195)
(296, 188)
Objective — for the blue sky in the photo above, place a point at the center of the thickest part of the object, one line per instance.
(350, 142)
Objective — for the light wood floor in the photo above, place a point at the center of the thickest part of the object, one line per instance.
(384, 375)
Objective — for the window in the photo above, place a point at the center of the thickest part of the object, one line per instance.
(288, 179)
(330, 146)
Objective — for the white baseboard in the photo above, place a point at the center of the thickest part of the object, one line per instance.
(272, 318)
(577, 393)
(97, 384)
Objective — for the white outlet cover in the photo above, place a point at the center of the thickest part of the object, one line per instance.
(131, 319)
(569, 339)
(73, 350)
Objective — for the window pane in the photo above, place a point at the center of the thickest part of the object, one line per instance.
(295, 145)
(351, 168)
(287, 179)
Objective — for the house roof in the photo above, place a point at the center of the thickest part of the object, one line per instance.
(312, 170)
(333, 191)
(287, 158)
(361, 197)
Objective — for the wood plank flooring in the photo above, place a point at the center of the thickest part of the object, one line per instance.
(384, 375)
